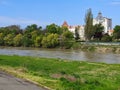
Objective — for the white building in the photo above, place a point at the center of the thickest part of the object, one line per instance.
(106, 22)
(82, 32)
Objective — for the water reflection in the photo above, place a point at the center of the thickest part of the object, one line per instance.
(63, 54)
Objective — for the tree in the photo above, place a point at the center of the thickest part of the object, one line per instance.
(77, 33)
(9, 40)
(38, 41)
(31, 28)
(106, 38)
(1, 39)
(30, 34)
(53, 28)
(44, 42)
(50, 41)
(18, 40)
(88, 25)
(98, 31)
(67, 39)
(68, 35)
(26, 41)
(116, 33)
(12, 29)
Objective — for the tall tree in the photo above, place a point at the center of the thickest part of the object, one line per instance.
(77, 33)
(88, 25)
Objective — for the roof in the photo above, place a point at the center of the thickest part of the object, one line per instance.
(65, 24)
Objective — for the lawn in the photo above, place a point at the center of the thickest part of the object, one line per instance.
(57, 74)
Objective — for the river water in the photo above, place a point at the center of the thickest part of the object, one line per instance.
(78, 55)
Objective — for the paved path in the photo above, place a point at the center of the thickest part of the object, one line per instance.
(8, 82)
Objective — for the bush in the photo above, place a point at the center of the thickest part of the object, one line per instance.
(106, 38)
(51, 41)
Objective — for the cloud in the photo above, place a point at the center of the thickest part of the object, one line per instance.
(115, 3)
(5, 21)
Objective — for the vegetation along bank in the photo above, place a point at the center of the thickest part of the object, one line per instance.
(60, 74)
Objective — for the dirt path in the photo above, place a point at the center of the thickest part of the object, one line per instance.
(8, 82)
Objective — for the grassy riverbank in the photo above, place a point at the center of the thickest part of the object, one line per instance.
(63, 74)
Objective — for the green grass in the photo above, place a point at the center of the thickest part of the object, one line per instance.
(63, 74)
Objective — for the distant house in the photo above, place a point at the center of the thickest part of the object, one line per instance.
(110, 32)
(72, 29)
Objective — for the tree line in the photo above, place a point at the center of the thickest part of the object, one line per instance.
(53, 35)
(34, 36)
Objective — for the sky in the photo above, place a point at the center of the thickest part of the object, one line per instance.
(45, 12)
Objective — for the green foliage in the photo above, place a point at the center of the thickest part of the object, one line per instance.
(77, 37)
(76, 45)
(1, 39)
(54, 29)
(98, 30)
(89, 25)
(8, 40)
(116, 33)
(68, 34)
(67, 39)
(32, 28)
(51, 41)
(64, 29)
(106, 38)
(18, 40)
(38, 41)
(26, 41)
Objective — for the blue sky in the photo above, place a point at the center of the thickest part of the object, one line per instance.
(44, 12)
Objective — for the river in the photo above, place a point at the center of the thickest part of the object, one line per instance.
(78, 55)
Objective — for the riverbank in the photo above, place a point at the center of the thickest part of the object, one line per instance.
(100, 47)
(63, 74)
(97, 47)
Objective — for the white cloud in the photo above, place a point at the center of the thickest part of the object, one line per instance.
(115, 3)
(5, 21)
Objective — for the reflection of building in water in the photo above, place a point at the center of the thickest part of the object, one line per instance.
(106, 22)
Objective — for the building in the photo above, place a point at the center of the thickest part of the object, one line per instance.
(82, 32)
(72, 29)
(106, 22)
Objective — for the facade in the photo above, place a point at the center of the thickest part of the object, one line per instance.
(81, 32)
(106, 22)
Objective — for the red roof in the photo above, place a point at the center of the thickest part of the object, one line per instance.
(65, 24)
